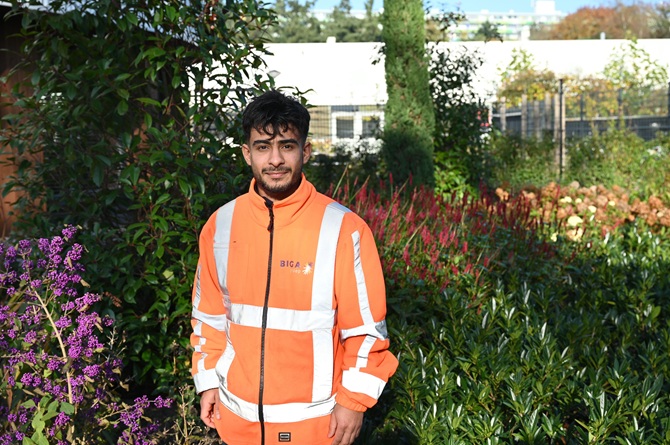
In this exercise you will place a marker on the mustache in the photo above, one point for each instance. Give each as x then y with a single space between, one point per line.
276 170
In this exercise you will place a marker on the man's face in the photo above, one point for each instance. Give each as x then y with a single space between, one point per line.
276 162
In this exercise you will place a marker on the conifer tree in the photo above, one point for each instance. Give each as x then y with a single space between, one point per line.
409 115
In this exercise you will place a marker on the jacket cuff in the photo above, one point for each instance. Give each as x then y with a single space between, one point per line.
343 400
205 380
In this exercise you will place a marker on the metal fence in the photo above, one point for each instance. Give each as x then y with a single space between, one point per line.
335 124
569 114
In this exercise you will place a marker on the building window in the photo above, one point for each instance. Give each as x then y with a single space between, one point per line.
370 126
344 127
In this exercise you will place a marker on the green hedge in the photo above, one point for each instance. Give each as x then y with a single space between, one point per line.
531 341
615 157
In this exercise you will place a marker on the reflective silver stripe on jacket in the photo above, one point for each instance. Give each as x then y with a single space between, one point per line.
283 413
215 321
282 319
323 287
224 224
353 379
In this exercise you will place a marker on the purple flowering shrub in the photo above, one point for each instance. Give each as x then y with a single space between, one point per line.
59 380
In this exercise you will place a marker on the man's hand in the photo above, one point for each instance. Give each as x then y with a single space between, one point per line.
345 425
209 407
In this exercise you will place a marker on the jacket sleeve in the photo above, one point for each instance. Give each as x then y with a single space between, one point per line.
361 317
208 315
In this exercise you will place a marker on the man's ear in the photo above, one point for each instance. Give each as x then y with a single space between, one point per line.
306 152
246 153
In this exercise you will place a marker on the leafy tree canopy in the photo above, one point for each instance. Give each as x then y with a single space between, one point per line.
620 21
661 21
298 24
522 76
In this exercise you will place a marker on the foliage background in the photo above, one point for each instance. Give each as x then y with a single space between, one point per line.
137 148
513 320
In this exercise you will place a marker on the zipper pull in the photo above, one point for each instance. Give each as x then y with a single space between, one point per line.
269 204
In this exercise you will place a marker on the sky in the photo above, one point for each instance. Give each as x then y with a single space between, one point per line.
567 6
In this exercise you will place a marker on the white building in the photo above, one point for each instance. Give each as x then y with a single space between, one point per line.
346 81
512 25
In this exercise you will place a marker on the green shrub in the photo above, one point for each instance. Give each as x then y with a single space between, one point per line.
60 357
516 162
612 158
127 111
461 119
355 162
515 338
618 157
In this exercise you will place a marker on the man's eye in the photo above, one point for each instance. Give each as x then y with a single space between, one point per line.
288 147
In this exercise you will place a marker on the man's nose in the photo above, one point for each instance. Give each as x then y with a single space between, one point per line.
276 156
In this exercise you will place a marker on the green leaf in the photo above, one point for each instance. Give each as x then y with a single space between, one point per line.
161 223
149 101
53 406
122 108
71 91
185 187
158 17
176 81
49 415
154 52
97 174
148 120
132 18
162 198
67 408
171 13
37 423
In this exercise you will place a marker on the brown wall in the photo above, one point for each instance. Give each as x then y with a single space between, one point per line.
9 58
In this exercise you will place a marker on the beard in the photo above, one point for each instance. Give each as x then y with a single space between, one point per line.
278 190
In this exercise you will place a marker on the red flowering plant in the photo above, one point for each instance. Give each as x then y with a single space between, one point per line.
60 379
430 243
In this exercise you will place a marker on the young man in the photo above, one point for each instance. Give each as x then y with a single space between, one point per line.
289 301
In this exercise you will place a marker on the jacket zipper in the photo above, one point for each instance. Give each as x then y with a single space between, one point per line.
271 229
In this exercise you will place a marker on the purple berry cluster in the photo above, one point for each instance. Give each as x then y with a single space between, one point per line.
60 379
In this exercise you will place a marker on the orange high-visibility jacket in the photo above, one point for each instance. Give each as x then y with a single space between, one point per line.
289 311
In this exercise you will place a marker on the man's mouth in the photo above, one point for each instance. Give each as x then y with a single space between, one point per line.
276 173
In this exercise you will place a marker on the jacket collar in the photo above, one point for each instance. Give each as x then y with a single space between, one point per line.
286 210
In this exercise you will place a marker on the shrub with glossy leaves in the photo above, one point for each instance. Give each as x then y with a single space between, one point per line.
134 108
517 338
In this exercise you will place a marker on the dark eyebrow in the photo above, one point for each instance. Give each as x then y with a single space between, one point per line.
281 141
289 141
